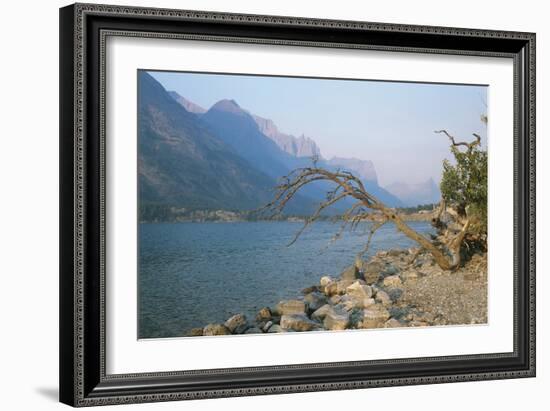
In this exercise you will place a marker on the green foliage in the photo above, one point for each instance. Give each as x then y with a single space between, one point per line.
464 184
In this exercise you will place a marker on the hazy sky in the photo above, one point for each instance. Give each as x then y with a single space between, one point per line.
390 123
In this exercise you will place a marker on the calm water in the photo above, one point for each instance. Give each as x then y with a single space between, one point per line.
192 274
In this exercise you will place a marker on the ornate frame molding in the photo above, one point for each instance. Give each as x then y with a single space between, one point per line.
83 42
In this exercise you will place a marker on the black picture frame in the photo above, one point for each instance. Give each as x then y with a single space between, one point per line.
83 29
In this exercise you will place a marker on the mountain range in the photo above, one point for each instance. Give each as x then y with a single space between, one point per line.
227 158
426 192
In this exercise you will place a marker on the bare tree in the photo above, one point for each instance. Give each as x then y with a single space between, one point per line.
366 207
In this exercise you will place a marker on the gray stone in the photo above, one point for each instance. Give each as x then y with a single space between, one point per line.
253 330
349 302
311 289
321 312
267 325
336 320
395 293
290 307
298 322
215 329
237 324
350 273
389 270
275 328
315 301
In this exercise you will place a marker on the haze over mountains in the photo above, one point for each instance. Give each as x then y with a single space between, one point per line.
226 158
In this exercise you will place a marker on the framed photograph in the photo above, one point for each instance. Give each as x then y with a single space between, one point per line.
262 204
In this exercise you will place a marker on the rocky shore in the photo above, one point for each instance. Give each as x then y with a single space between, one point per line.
389 290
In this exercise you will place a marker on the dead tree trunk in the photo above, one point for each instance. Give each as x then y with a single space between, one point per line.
366 207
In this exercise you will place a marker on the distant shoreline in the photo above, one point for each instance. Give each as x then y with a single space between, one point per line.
224 216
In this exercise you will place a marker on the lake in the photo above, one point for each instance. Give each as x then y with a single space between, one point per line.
193 274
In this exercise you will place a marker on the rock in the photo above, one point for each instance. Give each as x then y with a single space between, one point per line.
290 307
263 315
350 273
311 289
253 330
418 324
372 271
382 297
349 302
266 326
359 290
336 320
315 301
395 293
325 280
389 270
215 329
275 328
331 289
396 253
335 299
237 324
342 285
399 313
409 275
374 316
298 322
321 313
392 323
194 332
392 281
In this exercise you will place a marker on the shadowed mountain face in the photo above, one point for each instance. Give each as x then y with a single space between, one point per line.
220 159
412 195
182 164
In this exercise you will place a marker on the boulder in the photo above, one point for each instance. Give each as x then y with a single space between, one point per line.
350 273
290 307
215 329
359 290
298 322
321 312
389 270
325 280
395 293
392 323
336 319
342 285
315 301
374 316
349 302
237 324
382 297
335 299
267 325
392 281
194 332
263 315
372 271
275 328
311 289
253 330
